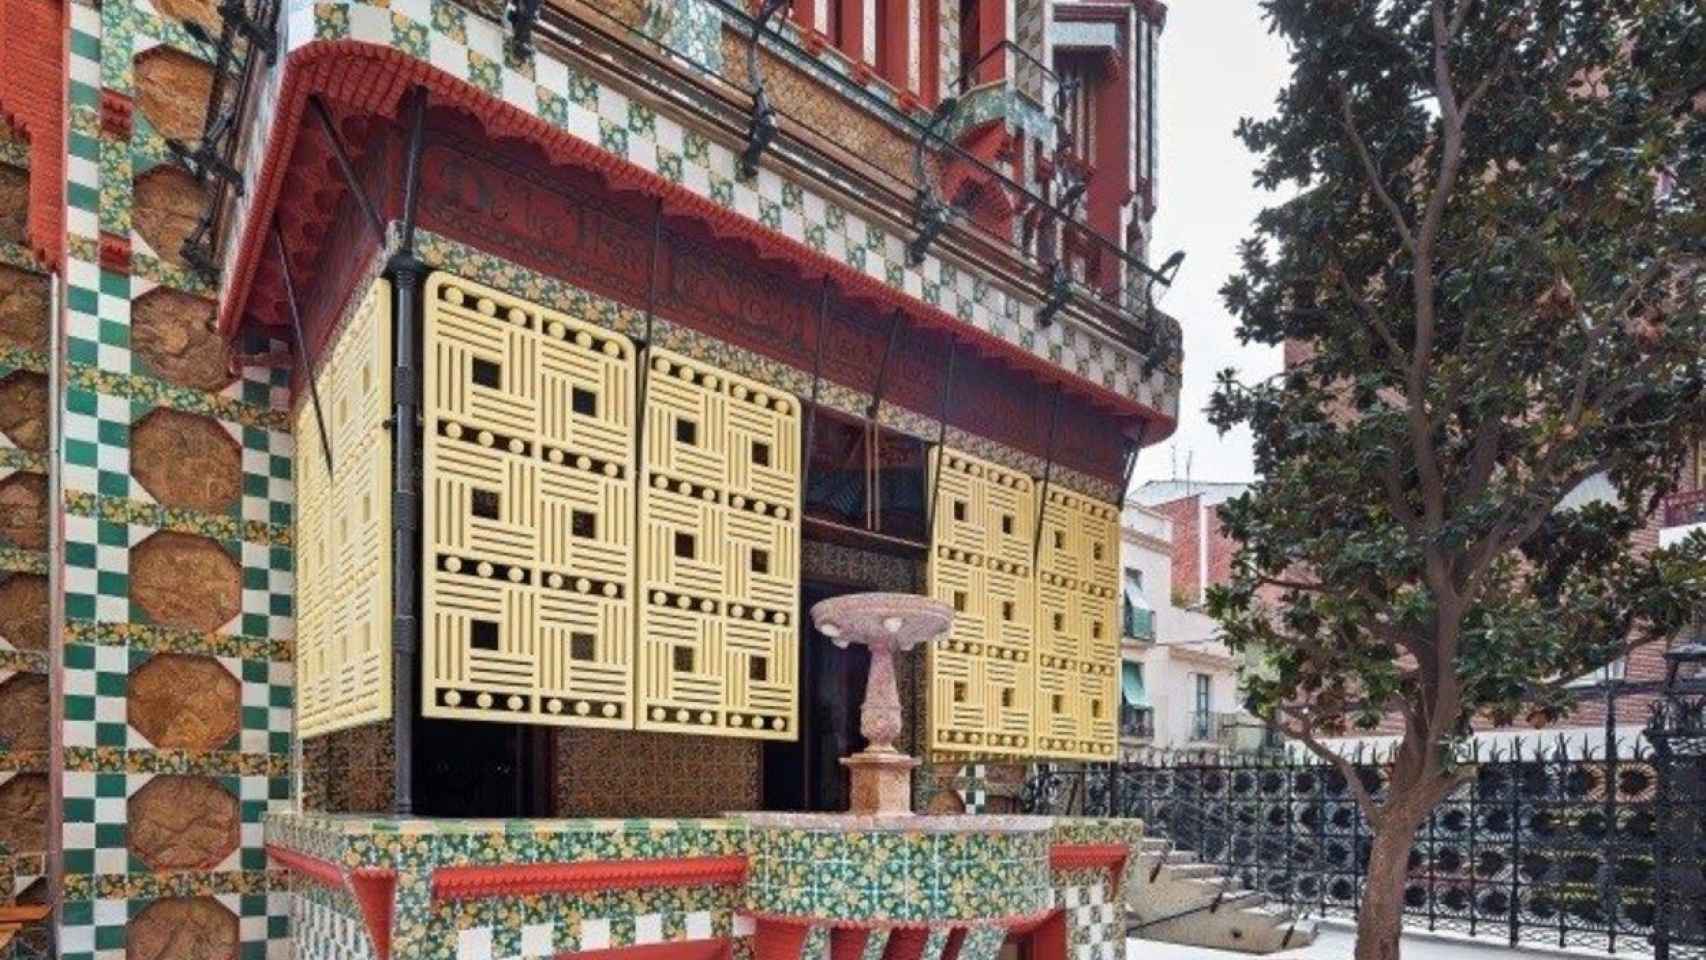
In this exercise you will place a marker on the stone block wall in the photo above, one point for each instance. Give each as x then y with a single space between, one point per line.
176 509
26 326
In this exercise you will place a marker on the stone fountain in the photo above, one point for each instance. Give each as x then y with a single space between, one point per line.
886 624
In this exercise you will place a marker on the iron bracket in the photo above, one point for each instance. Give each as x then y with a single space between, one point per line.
761 129
930 212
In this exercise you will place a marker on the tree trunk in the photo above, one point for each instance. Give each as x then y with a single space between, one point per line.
1380 918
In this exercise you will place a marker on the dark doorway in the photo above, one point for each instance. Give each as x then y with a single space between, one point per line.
807 774
465 768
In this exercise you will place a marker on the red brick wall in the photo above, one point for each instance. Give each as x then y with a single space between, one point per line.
1221 549
1187 584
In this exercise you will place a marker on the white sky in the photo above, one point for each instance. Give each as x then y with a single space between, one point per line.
1218 63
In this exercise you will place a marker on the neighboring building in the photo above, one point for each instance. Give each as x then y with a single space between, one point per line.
1180 683
461 406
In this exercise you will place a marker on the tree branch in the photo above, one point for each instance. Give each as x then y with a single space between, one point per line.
1371 173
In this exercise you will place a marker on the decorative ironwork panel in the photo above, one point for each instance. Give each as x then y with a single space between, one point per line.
1078 649
1572 845
982 687
528 512
343 530
719 554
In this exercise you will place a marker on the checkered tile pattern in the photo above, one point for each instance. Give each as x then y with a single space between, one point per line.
973 793
547 939
108 391
1092 919
320 930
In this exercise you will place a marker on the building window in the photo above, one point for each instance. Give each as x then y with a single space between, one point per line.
1137 619
1200 726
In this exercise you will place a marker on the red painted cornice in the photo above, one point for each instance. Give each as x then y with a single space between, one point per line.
533 879
366 77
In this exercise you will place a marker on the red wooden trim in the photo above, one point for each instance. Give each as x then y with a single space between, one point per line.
323 872
1091 856
376 78
375 890
676 950
774 940
847 943
907 943
1013 922
529 879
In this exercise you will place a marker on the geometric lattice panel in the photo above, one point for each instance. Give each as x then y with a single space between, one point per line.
982 685
1078 650
719 574
528 518
343 529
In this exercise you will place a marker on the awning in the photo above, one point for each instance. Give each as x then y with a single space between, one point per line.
1131 681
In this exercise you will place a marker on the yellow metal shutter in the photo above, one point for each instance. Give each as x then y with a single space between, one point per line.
981 675
343 530
528 514
1078 647
719 553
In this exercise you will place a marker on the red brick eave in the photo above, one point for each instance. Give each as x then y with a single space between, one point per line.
376 78
32 100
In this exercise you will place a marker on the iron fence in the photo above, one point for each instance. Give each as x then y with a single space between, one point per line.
1555 845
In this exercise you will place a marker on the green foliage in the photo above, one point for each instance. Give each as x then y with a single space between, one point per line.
1496 261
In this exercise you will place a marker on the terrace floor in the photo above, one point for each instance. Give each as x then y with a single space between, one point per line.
1336 942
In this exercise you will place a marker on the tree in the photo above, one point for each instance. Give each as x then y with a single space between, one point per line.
1494 264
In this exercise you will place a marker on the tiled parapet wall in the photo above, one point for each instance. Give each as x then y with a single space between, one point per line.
472 50
898 870
445 909
368 887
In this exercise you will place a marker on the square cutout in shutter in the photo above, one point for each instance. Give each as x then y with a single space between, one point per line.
760 561
486 373
583 646
484 504
758 670
761 454
686 545
686 431
960 510
584 402
683 659
584 523
1007 524
483 634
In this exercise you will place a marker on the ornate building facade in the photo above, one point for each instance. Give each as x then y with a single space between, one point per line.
416 413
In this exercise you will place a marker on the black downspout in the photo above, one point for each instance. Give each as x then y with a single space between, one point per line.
406 273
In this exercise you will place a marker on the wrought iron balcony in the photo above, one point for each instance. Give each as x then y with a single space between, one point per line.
1684 513
1683 509
1137 723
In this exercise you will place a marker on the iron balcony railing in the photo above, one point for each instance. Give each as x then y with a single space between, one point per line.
1137 723
1203 725
1140 624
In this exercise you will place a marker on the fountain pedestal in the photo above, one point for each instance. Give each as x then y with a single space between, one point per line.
886 623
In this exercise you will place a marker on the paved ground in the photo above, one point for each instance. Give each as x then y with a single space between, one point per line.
1336 944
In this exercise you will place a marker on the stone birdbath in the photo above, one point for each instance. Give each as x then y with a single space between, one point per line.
887 623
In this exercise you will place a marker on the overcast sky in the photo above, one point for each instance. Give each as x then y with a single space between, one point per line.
1218 63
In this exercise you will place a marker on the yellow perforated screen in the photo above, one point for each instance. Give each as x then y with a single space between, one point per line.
981 675
1078 648
528 515
719 553
343 530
